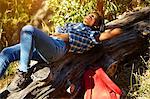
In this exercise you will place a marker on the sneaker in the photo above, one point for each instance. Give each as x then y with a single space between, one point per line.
17 82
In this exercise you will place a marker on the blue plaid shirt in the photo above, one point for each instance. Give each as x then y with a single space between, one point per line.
81 37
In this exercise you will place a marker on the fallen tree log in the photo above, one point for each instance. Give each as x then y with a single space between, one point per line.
50 80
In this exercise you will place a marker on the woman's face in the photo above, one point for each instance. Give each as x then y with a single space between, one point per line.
90 19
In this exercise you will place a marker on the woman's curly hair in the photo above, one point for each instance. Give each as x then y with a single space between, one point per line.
99 23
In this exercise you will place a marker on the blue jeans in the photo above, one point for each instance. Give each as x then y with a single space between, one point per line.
34 45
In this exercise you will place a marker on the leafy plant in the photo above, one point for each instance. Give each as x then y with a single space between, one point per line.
70 10
13 15
141 88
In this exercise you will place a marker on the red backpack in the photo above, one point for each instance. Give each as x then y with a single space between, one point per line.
99 86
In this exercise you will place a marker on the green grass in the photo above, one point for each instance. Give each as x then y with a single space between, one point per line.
6 79
141 89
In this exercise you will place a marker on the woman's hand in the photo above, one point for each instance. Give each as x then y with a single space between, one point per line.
63 36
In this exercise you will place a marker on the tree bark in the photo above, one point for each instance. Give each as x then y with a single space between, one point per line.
50 80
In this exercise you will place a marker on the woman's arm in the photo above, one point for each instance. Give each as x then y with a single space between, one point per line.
110 33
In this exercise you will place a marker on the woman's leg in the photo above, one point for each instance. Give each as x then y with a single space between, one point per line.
7 56
50 49
11 54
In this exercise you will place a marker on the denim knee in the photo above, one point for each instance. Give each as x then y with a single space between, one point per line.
6 50
12 52
28 29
